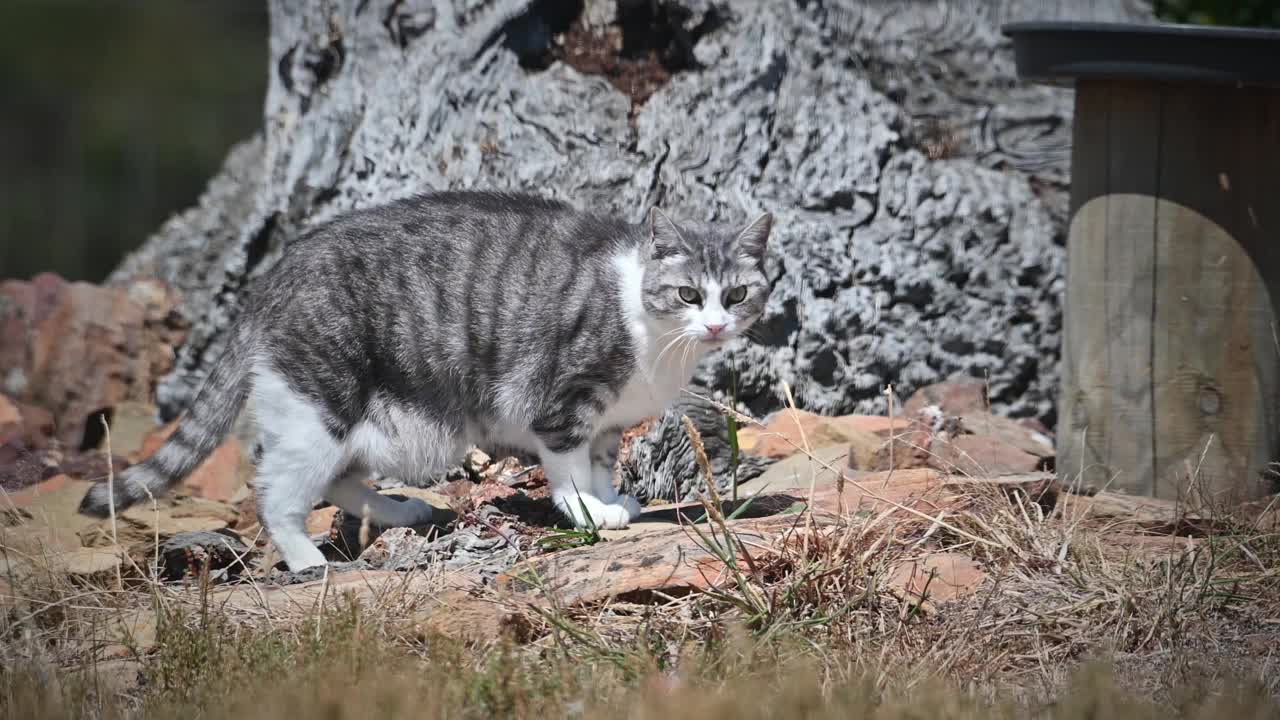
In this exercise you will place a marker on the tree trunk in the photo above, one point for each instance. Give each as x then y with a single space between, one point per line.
919 189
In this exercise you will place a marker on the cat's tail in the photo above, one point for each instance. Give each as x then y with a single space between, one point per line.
207 421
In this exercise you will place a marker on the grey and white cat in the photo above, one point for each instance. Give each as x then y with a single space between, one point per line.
393 338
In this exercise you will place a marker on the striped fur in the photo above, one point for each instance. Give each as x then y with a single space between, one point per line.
392 338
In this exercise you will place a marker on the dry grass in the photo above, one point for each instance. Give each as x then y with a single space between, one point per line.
802 624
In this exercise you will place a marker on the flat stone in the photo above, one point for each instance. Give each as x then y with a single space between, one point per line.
10 417
981 456
408 591
131 422
669 560
786 432
1008 431
88 563
936 578
799 471
954 396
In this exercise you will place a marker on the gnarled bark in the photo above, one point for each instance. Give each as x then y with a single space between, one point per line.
919 188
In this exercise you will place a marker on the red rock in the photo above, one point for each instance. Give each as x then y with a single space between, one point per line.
82 348
878 424
787 431
10 418
981 456
1009 431
39 426
489 491
23 498
320 522
955 396
937 578
900 451
221 475
670 559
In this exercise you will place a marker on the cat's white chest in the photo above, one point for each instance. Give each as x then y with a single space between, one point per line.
648 393
664 363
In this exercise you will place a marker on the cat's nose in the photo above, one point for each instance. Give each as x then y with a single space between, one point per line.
714 330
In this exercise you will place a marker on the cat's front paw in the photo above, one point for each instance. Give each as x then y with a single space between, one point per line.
602 516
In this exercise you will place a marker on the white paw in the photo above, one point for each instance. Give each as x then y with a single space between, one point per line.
614 517
603 516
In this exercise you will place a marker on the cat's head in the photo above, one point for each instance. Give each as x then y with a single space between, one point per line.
705 283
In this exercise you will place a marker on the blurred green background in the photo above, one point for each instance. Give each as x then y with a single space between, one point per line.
116 112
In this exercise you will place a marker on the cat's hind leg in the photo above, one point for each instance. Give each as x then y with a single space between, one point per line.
299 460
351 494
287 489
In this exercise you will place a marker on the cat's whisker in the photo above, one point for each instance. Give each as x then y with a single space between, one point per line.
689 347
683 332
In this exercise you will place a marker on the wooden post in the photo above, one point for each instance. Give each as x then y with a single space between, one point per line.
1171 356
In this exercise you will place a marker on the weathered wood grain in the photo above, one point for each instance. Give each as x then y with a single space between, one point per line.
1171 360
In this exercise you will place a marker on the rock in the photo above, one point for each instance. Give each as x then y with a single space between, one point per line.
936 578
10 418
658 464
475 548
403 592
955 396
981 456
47 515
786 431
798 471
1137 513
901 255
320 522
668 560
902 450
186 554
83 349
345 534
89 564
475 463
131 424
1010 432
133 632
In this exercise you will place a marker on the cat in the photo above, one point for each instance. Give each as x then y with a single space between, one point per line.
391 339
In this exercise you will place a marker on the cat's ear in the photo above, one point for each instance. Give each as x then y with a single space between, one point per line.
754 240
664 236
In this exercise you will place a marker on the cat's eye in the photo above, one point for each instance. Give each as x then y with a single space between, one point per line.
736 295
690 295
